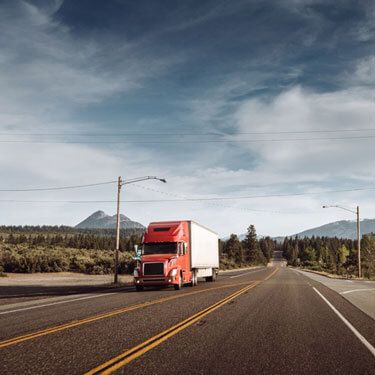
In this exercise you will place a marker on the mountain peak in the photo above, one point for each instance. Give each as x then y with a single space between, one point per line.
100 220
98 215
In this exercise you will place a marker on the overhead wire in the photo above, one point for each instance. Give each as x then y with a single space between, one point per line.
212 133
200 199
59 187
199 141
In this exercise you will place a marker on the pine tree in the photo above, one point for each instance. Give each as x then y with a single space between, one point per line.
234 250
252 249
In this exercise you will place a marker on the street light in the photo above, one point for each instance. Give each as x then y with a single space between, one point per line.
119 185
356 212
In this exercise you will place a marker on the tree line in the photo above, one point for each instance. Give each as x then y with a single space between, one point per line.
63 229
75 241
249 251
30 249
333 255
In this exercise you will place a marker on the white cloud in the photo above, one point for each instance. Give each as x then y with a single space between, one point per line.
365 72
48 74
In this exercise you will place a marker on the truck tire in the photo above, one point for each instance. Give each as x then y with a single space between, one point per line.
179 285
139 288
213 277
194 279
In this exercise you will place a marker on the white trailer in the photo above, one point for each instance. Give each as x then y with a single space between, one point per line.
204 245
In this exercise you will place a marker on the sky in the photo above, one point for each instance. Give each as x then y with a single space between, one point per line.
250 101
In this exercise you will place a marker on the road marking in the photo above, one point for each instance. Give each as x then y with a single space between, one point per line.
347 323
246 273
75 323
358 290
126 357
57 303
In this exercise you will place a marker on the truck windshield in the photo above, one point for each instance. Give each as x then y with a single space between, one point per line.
160 248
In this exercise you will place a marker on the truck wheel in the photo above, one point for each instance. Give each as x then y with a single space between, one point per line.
194 279
213 277
139 288
179 285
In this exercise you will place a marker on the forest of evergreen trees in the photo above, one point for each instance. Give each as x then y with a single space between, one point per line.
333 255
250 251
54 249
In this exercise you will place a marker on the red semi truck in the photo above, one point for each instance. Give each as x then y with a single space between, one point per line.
177 253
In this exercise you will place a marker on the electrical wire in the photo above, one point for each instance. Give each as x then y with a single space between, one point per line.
213 133
195 199
368 137
60 187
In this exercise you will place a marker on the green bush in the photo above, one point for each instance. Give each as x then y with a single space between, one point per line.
21 259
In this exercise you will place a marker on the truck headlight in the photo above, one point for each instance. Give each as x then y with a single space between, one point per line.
174 272
136 273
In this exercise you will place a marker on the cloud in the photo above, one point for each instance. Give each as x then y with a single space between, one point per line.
298 109
365 72
234 75
50 73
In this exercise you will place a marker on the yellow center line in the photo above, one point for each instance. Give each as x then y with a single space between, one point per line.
126 357
75 323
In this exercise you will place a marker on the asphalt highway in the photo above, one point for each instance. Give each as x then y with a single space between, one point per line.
271 320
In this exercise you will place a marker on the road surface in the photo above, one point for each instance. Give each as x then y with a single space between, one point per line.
270 320
360 293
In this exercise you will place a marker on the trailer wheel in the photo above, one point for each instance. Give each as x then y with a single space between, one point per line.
139 288
179 285
213 277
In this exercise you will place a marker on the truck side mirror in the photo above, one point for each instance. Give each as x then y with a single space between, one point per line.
185 248
138 250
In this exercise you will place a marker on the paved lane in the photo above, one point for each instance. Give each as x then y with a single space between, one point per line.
249 324
361 293
280 327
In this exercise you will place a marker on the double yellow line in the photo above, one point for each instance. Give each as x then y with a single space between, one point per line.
123 359
128 356
75 323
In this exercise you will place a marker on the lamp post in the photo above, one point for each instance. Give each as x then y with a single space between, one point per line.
120 183
356 212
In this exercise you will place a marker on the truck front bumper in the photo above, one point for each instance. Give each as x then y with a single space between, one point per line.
155 281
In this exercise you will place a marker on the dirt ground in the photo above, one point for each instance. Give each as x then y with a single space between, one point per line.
60 279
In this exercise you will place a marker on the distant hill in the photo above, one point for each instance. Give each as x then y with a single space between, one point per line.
341 229
100 220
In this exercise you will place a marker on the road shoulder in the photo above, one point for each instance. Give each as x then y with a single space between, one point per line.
360 293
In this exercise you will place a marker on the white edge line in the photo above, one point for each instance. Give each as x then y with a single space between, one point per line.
358 290
57 303
347 323
242 274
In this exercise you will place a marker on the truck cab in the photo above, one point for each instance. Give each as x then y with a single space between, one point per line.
165 256
177 253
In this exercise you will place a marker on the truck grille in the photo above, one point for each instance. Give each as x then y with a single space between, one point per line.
153 269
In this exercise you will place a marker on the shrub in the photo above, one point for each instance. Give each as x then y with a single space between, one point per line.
20 258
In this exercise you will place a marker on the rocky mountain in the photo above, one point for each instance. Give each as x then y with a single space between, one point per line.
100 220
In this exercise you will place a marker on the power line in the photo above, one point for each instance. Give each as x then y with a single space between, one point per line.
193 141
194 199
60 187
211 203
213 133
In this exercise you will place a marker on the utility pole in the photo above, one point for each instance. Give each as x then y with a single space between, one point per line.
358 234
359 243
117 229
118 222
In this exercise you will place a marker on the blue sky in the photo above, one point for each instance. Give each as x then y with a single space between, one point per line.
178 75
